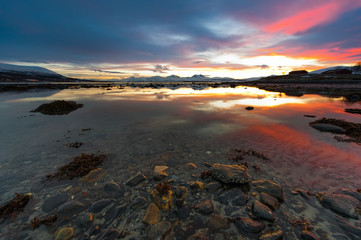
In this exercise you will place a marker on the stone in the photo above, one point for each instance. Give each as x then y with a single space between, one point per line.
162 199
160 230
198 236
248 225
152 214
230 173
64 233
270 201
54 201
159 172
272 235
183 212
204 207
249 108
197 185
304 194
217 222
348 227
263 212
180 193
324 127
342 204
354 194
100 205
191 166
71 208
84 220
212 187
237 197
307 235
139 202
114 212
94 175
113 189
268 187
135 179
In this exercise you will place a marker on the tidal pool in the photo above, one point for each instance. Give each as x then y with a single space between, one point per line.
140 128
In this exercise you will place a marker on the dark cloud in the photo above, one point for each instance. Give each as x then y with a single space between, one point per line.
160 68
105 71
264 66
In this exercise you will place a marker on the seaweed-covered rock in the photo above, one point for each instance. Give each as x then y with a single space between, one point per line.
263 212
163 195
15 206
342 204
59 107
268 187
230 173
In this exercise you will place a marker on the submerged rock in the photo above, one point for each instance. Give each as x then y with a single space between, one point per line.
230 173
180 193
159 172
64 233
237 197
204 207
160 230
113 189
197 185
342 204
216 222
248 225
59 107
349 228
54 201
270 201
94 175
135 179
71 208
152 215
198 236
268 187
307 235
263 212
100 205
354 194
324 127
114 212
272 235
213 187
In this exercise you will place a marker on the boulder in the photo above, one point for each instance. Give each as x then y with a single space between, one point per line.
230 173
263 212
342 204
268 187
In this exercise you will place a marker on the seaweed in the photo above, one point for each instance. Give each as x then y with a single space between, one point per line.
36 222
79 167
302 223
353 130
241 153
74 145
163 188
59 107
15 206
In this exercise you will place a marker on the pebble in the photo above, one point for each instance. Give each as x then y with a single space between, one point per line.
160 230
152 214
113 189
270 201
100 205
272 235
216 222
64 233
307 235
135 179
71 208
263 212
342 204
159 172
230 173
248 225
54 201
204 207
94 175
268 187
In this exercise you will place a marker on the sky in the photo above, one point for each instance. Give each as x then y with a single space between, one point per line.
112 39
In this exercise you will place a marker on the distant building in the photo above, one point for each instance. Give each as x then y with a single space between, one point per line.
298 72
338 71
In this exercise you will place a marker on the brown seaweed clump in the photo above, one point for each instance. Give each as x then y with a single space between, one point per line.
352 130
15 206
241 153
59 107
36 222
163 188
79 167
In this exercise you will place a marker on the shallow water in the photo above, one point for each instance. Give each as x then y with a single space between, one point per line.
143 127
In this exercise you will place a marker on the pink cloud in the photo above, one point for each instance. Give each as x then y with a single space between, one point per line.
304 19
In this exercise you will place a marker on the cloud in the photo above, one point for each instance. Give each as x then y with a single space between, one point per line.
160 68
264 66
106 71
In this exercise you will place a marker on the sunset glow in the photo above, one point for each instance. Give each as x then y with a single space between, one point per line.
238 39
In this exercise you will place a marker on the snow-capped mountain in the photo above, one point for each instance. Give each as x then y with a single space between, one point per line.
25 69
320 71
